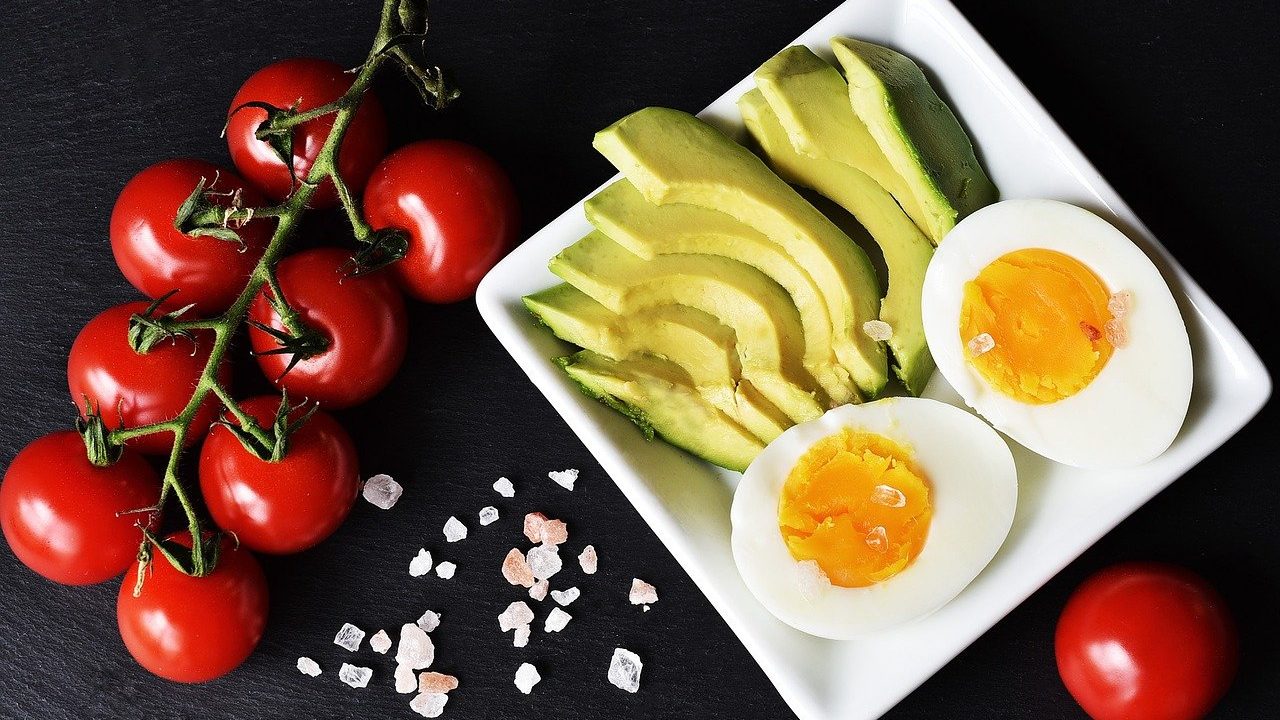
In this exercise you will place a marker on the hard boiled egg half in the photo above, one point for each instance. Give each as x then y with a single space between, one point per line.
872 515
1060 332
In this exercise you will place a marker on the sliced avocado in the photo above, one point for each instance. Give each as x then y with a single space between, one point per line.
917 132
646 229
690 338
906 250
673 157
658 396
770 341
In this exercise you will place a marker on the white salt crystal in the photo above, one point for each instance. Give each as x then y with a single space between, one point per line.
349 636
642 593
488 515
539 590
521 636
566 596
624 670
564 478
429 704
420 564
307 666
877 330
878 539
556 620
516 614
526 677
380 642
588 560
811 580
504 487
415 649
429 621
454 530
1119 304
981 344
644 608
445 570
381 491
356 677
888 496
544 561
406 680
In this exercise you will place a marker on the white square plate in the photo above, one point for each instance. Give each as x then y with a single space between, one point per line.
1061 510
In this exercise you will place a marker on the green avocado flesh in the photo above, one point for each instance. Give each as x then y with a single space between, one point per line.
769 338
649 230
688 337
659 397
673 157
917 132
906 250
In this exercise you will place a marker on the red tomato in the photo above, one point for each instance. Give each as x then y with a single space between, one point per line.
313 83
157 258
458 207
1146 641
131 389
363 319
193 629
62 514
284 506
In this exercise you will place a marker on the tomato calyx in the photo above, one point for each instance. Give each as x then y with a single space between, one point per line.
297 340
379 249
200 216
98 446
270 444
146 329
194 561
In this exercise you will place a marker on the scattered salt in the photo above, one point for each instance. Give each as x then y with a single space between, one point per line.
533 526
522 636
356 677
877 330
888 496
420 564
556 620
415 649
1119 304
877 539
811 580
380 642
307 666
516 614
504 488
981 344
1117 333
539 590
566 596
434 682
588 560
349 636
488 515
445 570
429 704
624 670
554 532
564 478
526 677
429 621
454 530
406 679
381 491
642 593
544 561
645 608
516 569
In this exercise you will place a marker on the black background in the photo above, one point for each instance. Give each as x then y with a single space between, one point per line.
1174 101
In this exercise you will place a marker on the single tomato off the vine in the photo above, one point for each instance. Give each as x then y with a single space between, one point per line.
70 520
1141 641
307 83
458 207
361 318
157 258
286 505
130 389
194 629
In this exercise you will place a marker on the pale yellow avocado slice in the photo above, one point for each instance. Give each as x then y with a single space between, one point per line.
673 157
917 132
657 396
906 250
646 229
766 324
688 337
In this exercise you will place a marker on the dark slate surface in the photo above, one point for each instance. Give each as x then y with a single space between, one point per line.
1175 102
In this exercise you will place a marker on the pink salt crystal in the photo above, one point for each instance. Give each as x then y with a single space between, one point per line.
533 523
642 593
539 590
554 532
435 682
981 344
1117 333
588 560
1119 304
516 570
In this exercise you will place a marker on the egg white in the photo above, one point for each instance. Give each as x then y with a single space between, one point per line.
1132 411
973 489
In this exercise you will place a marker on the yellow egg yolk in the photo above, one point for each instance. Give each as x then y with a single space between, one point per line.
857 504
1032 322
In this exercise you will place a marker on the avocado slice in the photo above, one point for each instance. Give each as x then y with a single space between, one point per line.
770 341
688 337
673 157
906 250
917 132
648 230
657 396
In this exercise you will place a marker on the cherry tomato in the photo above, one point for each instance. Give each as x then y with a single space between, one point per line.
1146 641
131 389
157 258
66 518
288 505
458 207
309 83
363 319
194 629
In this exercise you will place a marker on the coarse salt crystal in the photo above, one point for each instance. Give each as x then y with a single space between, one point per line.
307 666
406 679
554 532
565 597
380 642
516 569
556 620
420 564
434 682
981 344
381 491
415 649
1119 304
888 496
526 677
544 561
429 621
504 488
624 670
429 704
516 614
878 539
539 590
533 526
642 593
811 580
454 530
445 570
488 515
564 478
644 608
521 636
588 560
349 636
356 677
1117 333
877 330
